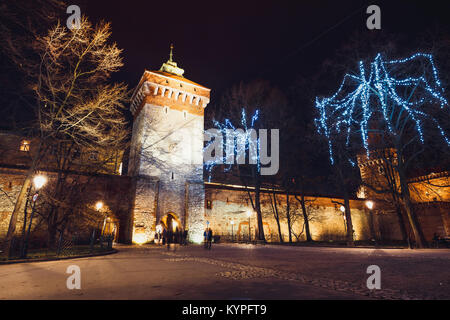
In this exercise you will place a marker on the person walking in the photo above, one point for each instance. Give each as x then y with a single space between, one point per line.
176 240
185 235
169 239
205 238
210 236
164 235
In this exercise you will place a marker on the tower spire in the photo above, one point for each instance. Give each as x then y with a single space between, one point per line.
171 66
171 52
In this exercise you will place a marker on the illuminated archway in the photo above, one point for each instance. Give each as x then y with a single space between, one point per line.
171 222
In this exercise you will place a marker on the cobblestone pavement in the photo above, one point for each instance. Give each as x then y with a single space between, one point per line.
406 274
231 272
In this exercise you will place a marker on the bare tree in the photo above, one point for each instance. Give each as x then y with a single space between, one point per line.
275 211
270 101
75 106
393 110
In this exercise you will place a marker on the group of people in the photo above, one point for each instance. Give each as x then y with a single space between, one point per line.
178 237
169 237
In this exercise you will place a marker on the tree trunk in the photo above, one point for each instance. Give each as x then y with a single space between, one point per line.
305 218
348 219
288 216
348 214
13 220
276 215
258 211
19 201
401 222
258 205
51 237
415 227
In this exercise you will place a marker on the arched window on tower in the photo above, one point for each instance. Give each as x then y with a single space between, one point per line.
24 146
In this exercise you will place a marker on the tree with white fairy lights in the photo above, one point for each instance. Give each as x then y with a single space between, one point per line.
397 105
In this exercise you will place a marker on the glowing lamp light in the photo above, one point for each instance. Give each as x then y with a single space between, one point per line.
39 181
249 213
369 204
139 238
342 208
175 225
99 205
232 222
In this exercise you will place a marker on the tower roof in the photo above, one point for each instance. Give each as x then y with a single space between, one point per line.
171 66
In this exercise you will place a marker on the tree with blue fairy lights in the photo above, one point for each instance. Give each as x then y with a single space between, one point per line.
397 105
237 143
263 104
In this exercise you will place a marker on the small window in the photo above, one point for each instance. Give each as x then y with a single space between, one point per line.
76 154
172 176
380 170
166 110
208 204
195 89
181 86
25 146
185 114
93 155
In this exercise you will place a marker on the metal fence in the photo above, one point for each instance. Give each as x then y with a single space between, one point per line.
73 244
243 237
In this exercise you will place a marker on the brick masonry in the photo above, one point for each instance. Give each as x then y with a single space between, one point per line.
326 220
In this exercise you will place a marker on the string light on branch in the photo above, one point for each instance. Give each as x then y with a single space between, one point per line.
382 91
237 143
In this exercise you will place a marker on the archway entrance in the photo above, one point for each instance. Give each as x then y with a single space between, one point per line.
171 222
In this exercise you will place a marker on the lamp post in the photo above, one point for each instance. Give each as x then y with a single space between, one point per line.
249 228
38 182
232 224
98 207
342 208
370 205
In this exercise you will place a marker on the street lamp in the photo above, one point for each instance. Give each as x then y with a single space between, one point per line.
370 205
342 208
38 182
99 205
232 224
249 214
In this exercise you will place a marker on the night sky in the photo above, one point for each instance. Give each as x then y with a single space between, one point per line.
220 43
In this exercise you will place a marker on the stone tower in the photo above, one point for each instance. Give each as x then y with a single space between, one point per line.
166 153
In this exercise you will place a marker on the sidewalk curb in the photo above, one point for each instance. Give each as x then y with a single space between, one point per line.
314 246
56 258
